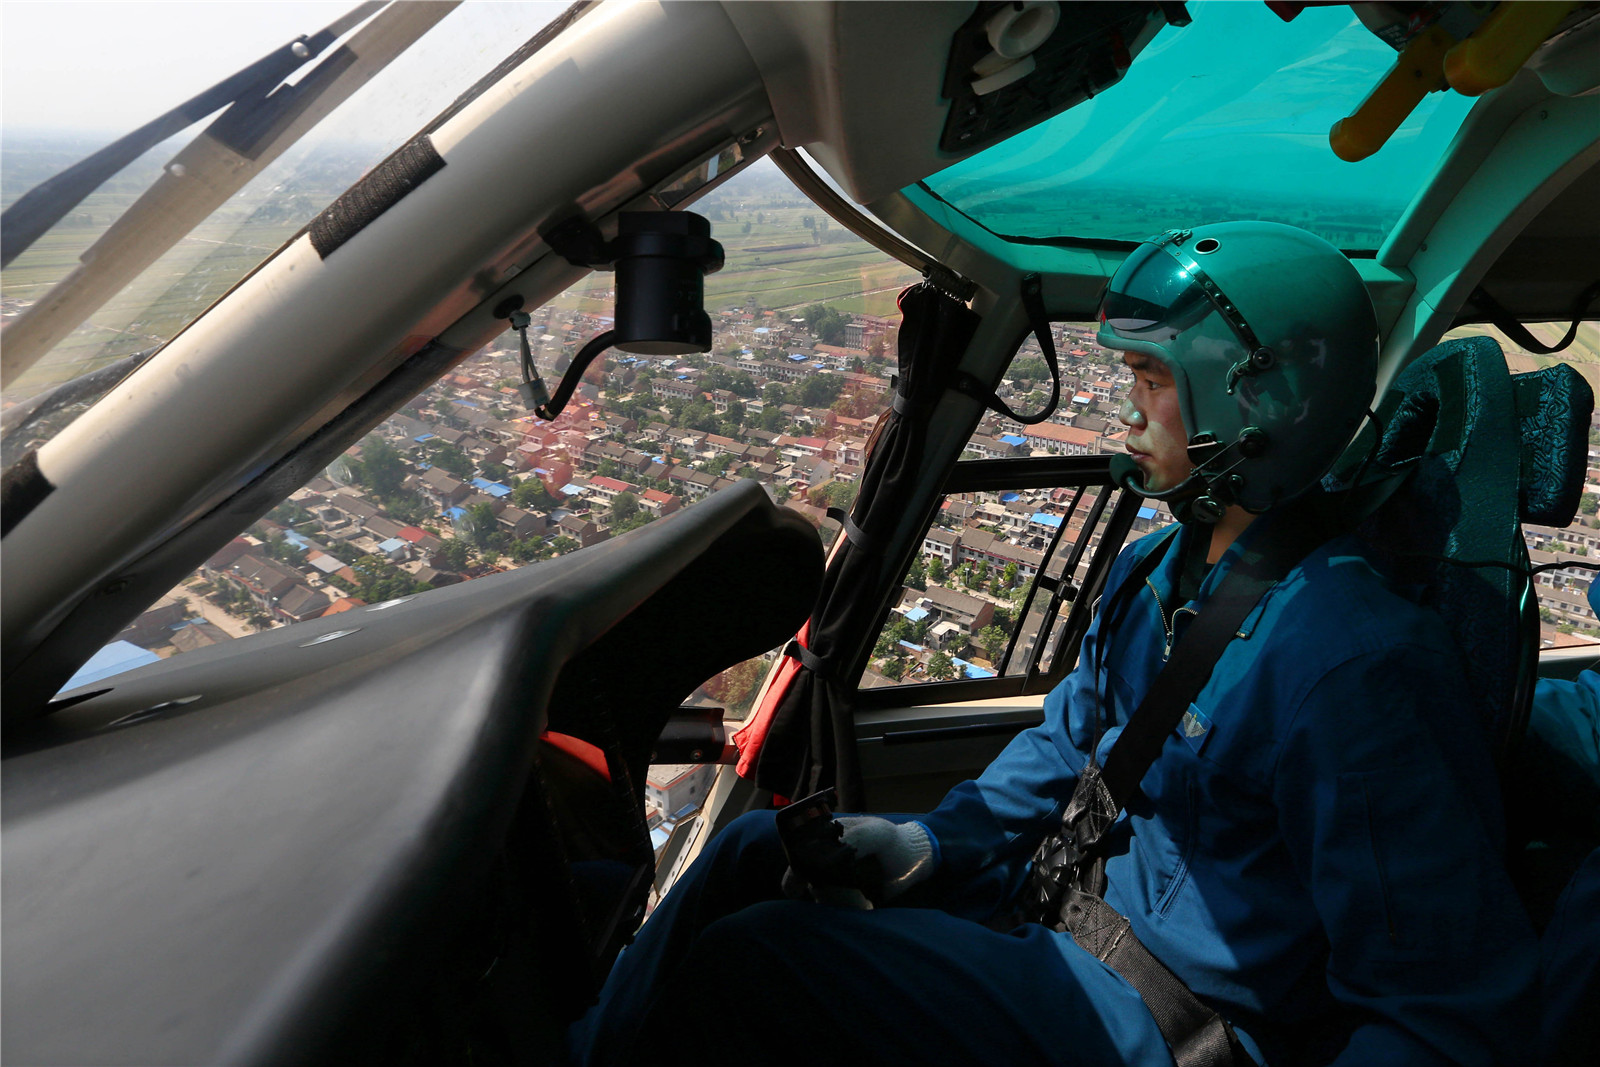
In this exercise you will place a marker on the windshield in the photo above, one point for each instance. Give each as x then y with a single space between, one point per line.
1243 136
68 94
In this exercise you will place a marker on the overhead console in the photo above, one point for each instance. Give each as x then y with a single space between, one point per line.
883 95
1015 64
352 839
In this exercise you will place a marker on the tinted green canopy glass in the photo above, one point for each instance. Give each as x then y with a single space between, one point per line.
1224 119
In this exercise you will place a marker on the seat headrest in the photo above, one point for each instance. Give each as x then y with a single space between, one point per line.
1553 409
1451 429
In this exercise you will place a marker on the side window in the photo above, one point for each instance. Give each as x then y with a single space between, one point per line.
1017 537
462 483
997 576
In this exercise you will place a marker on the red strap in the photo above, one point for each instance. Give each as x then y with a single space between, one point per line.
753 734
589 755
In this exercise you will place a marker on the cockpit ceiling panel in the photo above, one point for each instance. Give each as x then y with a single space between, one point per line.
1226 118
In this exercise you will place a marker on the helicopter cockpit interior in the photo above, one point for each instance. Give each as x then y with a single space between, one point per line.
415 830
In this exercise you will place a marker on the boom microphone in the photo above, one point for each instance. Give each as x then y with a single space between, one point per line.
1125 472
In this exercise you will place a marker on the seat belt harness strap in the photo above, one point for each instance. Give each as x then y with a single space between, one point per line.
1067 884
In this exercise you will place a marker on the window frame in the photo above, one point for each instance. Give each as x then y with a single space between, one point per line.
1120 509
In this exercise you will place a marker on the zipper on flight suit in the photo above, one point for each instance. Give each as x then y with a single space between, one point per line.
1169 624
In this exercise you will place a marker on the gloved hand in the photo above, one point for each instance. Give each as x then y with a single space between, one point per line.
870 861
907 853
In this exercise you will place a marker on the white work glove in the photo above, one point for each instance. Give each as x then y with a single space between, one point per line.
907 852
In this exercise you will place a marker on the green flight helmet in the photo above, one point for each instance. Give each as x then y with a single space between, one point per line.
1273 346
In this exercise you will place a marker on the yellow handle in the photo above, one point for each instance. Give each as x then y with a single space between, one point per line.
1418 72
1500 46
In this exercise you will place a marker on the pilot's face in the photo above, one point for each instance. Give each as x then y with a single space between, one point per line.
1157 440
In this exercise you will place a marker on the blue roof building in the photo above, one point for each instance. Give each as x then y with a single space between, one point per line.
113 659
494 489
970 670
1045 520
1013 439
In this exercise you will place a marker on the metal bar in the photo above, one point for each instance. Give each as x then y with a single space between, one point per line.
217 163
1033 591
41 207
1116 532
1047 472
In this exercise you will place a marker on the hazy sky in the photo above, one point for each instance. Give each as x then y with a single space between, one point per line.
111 67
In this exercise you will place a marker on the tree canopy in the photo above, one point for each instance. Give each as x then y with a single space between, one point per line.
377 579
380 468
993 639
827 323
623 506
447 457
531 495
455 554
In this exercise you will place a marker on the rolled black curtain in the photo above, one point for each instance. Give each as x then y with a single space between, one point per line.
811 743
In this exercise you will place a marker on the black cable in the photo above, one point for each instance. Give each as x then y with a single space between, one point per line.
1513 329
569 381
534 394
1039 322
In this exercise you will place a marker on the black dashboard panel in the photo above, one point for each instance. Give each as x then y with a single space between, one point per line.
222 856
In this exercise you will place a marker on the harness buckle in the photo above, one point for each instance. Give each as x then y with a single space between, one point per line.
1067 860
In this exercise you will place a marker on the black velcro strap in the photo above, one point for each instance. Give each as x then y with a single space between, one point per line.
1260 567
900 405
808 659
852 532
22 488
385 186
1197 1035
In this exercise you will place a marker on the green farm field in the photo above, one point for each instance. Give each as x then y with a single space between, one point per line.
200 268
782 253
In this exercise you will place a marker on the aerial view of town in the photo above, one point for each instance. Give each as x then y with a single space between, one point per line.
463 482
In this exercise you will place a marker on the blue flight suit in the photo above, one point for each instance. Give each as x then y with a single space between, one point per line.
1562 749
1323 831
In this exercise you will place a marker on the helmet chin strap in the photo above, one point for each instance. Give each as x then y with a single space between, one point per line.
1184 496
1203 495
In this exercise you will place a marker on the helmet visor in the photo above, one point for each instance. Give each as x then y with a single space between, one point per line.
1152 298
